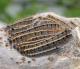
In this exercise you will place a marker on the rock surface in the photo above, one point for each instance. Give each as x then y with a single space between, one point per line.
67 58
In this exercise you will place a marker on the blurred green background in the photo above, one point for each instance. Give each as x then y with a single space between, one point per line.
12 10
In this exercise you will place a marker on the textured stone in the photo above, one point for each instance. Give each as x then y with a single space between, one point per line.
68 56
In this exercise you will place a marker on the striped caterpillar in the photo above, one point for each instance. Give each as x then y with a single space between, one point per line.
40 34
